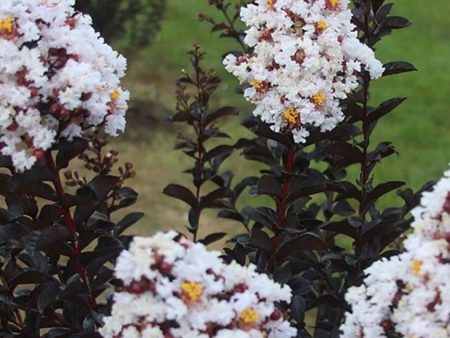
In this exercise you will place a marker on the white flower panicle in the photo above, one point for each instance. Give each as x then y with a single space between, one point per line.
306 59
176 288
409 294
57 78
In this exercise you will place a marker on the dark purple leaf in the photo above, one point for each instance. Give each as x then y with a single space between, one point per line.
92 196
182 193
222 112
396 22
398 67
128 221
68 150
385 108
259 239
213 238
383 189
302 243
268 185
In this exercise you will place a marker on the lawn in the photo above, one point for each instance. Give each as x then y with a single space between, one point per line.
419 129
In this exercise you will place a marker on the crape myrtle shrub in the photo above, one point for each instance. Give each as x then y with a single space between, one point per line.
57 242
323 229
60 97
134 23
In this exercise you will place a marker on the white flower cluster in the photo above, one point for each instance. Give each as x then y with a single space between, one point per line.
409 294
306 59
176 288
57 78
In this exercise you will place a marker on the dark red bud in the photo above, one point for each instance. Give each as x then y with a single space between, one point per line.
276 315
64 114
34 91
240 288
135 287
55 108
39 154
13 126
86 96
386 325
165 268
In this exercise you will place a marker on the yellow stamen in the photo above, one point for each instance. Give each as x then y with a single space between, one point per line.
291 116
191 290
249 316
319 99
416 266
321 25
7 25
115 94
333 3
258 85
271 3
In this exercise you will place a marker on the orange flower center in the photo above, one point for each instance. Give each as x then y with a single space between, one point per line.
191 290
249 316
115 94
319 99
291 116
321 25
333 4
258 85
271 3
416 266
7 25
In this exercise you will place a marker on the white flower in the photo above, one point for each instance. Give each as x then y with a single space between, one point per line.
58 78
176 288
409 294
305 61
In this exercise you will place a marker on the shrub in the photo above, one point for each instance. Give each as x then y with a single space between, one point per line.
323 229
407 295
307 67
133 23
176 288
60 94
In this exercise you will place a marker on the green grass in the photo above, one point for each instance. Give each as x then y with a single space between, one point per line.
419 128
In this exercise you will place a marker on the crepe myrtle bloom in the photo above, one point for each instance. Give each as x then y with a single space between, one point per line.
177 288
58 78
306 59
409 294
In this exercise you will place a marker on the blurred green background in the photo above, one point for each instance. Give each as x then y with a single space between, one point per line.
419 129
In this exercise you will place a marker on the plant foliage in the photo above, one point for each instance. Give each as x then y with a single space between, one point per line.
193 96
57 244
323 226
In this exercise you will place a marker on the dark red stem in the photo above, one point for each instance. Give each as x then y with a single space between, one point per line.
71 226
282 205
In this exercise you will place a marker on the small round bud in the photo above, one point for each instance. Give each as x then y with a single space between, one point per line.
276 315
39 154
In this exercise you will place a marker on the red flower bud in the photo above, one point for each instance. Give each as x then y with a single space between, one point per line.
276 315
34 91
55 108
64 114
165 268
39 154
86 96
135 287
386 325
13 126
